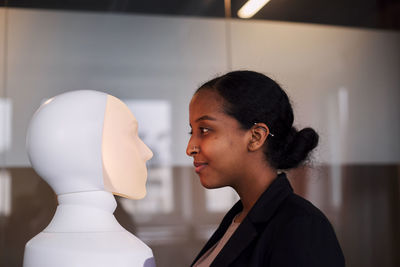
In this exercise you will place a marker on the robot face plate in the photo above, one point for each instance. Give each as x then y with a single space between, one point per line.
124 154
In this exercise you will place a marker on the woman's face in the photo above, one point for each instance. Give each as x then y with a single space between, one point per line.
218 145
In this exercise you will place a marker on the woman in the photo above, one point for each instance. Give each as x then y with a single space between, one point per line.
242 134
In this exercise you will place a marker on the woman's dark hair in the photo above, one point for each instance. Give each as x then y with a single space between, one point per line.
251 97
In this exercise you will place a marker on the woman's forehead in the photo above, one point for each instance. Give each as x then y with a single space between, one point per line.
210 109
206 101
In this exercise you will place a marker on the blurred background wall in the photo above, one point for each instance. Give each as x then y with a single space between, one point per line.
343 81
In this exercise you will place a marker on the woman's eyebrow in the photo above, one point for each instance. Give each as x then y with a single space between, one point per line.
206 117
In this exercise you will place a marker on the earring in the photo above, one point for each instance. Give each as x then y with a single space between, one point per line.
265 130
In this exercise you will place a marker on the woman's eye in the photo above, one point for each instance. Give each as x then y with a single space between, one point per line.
204 130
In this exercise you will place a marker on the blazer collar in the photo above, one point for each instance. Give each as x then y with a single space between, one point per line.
262 211
270 200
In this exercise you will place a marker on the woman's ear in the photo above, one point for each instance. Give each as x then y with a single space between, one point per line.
259 133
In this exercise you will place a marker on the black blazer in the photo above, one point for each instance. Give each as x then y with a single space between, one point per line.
282 229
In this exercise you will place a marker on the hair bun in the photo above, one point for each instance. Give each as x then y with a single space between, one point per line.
298 146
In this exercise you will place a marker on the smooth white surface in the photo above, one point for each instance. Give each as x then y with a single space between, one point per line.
101 249
64 143
84 232
85 212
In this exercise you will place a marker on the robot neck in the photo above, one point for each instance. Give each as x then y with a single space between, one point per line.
90 211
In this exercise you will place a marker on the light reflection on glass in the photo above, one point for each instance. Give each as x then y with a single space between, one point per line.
338 112
5 124
5 193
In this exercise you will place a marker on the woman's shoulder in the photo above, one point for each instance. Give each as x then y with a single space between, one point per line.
301 235
298 209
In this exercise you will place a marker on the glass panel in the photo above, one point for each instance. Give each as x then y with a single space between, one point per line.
344 82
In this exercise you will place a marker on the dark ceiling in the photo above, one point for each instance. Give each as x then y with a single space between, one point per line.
380 14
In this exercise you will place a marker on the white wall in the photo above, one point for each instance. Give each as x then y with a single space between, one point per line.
314 62
2 42
157 57
131 57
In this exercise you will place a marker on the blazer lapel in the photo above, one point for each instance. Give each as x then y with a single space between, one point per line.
261 213
270 200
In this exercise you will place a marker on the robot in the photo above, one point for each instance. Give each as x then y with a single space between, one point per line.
85 145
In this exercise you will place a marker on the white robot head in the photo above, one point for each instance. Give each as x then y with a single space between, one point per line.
85 141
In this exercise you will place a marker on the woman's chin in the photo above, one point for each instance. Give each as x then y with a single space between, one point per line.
209 184
206 183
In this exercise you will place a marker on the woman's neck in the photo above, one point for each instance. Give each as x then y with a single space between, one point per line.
254 185
90 211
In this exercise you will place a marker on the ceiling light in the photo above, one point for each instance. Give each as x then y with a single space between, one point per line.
250 8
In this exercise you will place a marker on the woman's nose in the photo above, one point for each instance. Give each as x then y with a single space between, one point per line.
192 149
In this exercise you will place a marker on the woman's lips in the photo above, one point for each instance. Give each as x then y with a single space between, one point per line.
199 166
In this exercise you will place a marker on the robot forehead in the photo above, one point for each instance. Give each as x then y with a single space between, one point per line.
118 111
